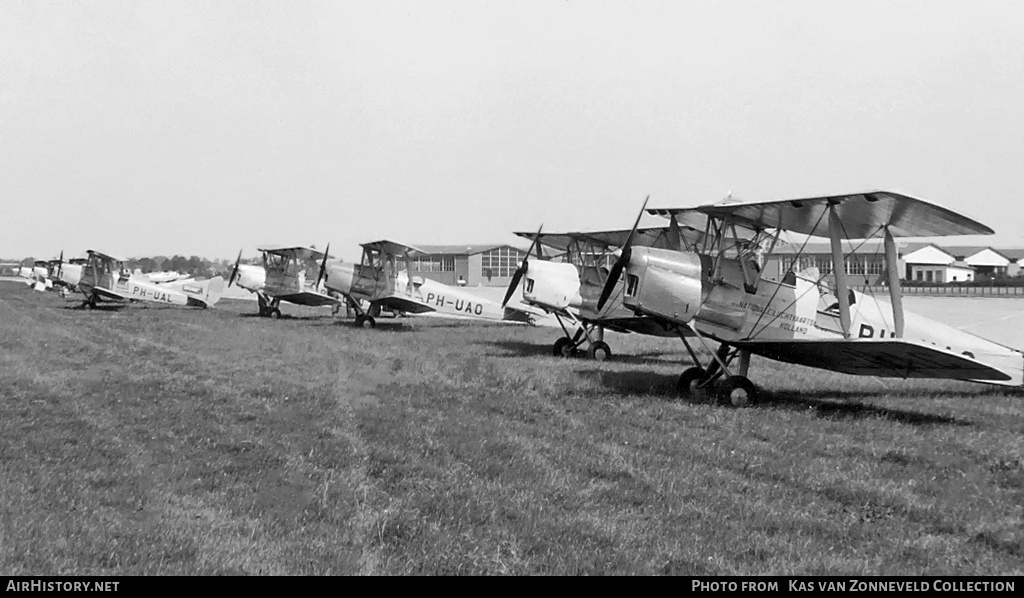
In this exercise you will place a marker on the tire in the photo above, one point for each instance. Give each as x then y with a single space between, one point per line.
737 391
599 351
274 313
563 348
366 322
688 380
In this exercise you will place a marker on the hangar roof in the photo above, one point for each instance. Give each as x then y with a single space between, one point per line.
464 249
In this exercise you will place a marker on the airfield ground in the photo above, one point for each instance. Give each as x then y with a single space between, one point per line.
177 441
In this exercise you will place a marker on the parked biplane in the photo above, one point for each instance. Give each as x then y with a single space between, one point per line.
716 291
37 275
282 277
104 278
380 282
569 289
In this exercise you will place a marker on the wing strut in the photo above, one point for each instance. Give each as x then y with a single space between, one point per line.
839 269
895 291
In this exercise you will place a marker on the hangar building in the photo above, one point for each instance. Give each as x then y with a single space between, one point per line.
469 265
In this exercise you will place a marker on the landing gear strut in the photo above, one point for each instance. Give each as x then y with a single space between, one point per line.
590 334
734 389
364 318
269 308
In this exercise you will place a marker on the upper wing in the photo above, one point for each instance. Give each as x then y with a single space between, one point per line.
645 237
890 358
107 256
391 247
290 250
862 215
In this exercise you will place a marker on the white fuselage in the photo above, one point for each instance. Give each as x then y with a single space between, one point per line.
370 285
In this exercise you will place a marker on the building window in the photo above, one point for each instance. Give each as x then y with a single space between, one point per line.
500 262
876 266
433 263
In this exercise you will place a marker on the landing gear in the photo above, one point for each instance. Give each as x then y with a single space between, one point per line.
564 347
268 307
593 335
690 380
364 318
599 351
734 389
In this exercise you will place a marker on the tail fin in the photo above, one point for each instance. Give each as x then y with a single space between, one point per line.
214 290
204 293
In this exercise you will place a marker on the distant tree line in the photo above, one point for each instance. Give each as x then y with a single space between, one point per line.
194 266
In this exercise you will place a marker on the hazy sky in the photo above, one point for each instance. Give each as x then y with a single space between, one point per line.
200 128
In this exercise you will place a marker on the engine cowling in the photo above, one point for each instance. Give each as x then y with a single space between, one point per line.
666 284
552 284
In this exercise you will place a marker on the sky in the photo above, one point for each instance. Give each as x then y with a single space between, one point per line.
209 127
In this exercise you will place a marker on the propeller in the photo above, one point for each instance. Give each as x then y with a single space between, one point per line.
60 265
234 271
675 236
323 267
523 267
620 264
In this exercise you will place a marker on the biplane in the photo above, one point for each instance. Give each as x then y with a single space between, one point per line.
716 291
104 278
55 274
569 289
382 280
282 277
37 275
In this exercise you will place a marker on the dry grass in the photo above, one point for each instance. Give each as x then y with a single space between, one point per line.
168 441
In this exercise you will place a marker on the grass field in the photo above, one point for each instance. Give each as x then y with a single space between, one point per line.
157 440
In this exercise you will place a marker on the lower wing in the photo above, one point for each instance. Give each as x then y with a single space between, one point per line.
884 358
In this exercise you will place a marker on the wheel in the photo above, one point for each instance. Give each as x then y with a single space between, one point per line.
563 348
273 313
363 321
688 381
599 351
737 391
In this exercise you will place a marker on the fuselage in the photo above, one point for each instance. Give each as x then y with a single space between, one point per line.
124 285
370 284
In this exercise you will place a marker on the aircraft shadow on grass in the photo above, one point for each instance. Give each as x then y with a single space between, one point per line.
288 317
527 349
101 307
826 402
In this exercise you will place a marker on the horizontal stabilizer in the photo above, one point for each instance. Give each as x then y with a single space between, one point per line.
516 314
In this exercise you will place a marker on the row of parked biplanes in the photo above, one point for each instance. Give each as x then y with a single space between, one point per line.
699 278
